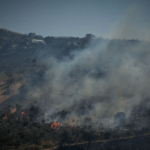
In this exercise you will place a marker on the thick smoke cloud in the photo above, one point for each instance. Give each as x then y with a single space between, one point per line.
100 81
97 83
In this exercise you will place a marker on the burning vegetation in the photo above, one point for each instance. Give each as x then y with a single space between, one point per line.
27 130
5 117
14 110
22 112
96 93
54 125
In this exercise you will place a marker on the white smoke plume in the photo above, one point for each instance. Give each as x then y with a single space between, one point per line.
133 24
101 80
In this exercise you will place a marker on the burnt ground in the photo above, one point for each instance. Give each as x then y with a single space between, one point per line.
140 143
133 143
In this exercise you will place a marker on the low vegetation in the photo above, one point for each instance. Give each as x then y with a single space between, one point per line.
22 131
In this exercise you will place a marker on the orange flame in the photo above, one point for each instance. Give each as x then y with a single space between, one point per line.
54 125
14 110
22 112
5 117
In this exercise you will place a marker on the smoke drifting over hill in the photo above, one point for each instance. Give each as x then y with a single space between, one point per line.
92 85
96 83
133 24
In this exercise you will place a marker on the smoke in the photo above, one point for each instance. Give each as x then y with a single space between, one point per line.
134 24
99 81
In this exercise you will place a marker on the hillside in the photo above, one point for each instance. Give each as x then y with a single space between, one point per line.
4 33
69 90
20 57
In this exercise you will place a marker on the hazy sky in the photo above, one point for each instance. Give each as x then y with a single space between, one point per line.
65 17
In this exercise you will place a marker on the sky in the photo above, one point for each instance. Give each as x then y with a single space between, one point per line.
65 17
